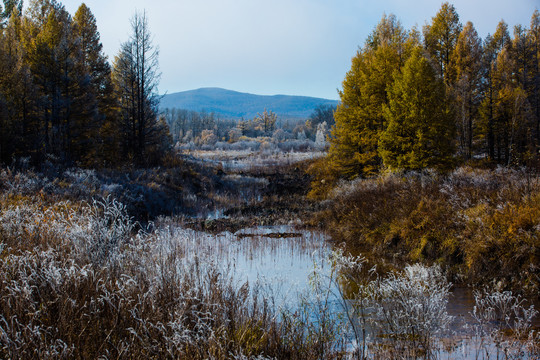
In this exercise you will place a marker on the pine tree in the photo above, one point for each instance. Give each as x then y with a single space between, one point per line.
420 128
494 45
10 7
100 124
511 111
534 39
466 65
440 39
359 118
66 103
18 93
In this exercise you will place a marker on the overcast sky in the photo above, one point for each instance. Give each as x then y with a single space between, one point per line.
294 47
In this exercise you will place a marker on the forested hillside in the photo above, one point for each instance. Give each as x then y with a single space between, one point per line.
60 98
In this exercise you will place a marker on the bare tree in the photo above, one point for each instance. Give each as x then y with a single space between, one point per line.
136 76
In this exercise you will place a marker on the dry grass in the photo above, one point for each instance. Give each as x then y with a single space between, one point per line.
83 280
483 225
78 281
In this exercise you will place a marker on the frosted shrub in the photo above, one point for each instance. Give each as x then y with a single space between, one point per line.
27 225
267 147
401 314
410 308
31 283
504 325
301 145
351 276
82 181
19 182
102 230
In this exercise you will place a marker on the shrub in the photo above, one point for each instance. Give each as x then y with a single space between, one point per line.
480 224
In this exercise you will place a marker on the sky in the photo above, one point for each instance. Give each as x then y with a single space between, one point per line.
268 47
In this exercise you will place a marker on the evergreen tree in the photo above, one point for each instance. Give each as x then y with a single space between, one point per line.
511 111
534 39
94 63
18 93
494 45
466 65
359 118
10 7
63 85
420 128
322 113
440 39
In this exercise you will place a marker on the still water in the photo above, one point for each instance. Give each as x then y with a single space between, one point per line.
280 261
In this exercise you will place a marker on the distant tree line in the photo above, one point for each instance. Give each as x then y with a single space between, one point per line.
186 125
435 98
191 126
61 99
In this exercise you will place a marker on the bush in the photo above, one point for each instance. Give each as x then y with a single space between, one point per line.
480 224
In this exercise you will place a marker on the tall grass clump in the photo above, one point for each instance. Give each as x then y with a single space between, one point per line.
397 315
482 225
410 312
404 315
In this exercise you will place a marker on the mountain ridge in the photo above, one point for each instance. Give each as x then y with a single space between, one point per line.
235 105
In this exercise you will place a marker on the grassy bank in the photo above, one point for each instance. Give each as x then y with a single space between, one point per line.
79 281
481 225
178 187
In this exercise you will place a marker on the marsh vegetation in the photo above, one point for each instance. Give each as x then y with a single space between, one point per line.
82 278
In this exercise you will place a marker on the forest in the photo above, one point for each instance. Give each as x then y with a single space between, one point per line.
437 98
60 98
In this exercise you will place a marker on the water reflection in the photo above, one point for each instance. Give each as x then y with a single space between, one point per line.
279 261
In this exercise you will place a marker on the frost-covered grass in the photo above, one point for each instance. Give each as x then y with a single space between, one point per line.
483 225
262 144
80 281
259 161
80 278
404 315
90 286
181 187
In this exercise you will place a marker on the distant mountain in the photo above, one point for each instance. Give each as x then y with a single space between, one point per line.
232 104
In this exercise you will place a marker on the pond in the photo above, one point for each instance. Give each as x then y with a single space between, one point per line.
279 261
